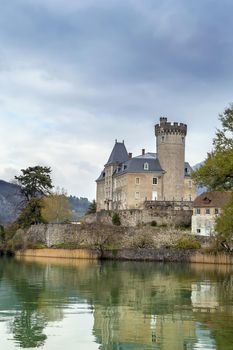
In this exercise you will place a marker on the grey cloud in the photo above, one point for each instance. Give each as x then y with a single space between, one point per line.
75 75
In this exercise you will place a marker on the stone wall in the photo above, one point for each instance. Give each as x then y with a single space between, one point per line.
96 241
55 234
163 213
99 236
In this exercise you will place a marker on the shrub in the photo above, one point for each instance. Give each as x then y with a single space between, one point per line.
116 219
183 227
39 245
153 223
144 241
187 243
2 233
11 230
10 246
163 225
214 247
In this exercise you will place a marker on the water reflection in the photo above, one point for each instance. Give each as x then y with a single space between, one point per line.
129 305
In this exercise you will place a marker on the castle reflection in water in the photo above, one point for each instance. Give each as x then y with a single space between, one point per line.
134 305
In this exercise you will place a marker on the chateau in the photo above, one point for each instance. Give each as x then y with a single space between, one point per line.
128 182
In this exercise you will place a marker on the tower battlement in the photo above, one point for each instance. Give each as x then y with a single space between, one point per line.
165 127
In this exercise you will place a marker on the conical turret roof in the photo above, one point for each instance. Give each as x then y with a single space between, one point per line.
119 154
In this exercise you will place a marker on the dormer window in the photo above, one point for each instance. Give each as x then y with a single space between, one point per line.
146 166
206 200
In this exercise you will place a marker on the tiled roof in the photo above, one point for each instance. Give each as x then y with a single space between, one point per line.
215 199
119 154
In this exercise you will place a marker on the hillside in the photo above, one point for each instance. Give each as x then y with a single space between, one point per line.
10 200
79 206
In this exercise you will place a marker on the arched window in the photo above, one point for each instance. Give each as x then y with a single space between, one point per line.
146 166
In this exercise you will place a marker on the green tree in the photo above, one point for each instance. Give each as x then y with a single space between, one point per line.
56 208
224 225
92 207
31 214
35 182
217 171
116 220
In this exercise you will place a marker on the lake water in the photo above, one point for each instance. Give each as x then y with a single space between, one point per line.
66 304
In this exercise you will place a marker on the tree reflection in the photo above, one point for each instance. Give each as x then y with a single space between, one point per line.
28 325
135 305
28 329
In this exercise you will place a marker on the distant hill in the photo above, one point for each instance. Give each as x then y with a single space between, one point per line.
196 166
79 206
10 200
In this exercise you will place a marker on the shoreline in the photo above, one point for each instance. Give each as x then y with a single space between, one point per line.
137 254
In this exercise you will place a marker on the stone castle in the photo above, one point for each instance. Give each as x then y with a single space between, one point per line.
128 182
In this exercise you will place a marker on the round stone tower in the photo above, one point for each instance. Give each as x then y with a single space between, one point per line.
170 144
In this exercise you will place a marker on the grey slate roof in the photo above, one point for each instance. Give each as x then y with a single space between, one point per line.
187 169
101 177
136 165
147 155
119 154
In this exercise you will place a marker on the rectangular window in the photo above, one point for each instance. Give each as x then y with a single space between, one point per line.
190 184
137 180
155 180
198 230
154 195
207 211
137 195
216 210
198 211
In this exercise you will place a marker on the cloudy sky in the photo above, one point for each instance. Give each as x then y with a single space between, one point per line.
77 74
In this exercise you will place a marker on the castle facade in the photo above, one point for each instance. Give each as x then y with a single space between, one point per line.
127 182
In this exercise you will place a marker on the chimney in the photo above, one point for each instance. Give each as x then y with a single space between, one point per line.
143 151
130 155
